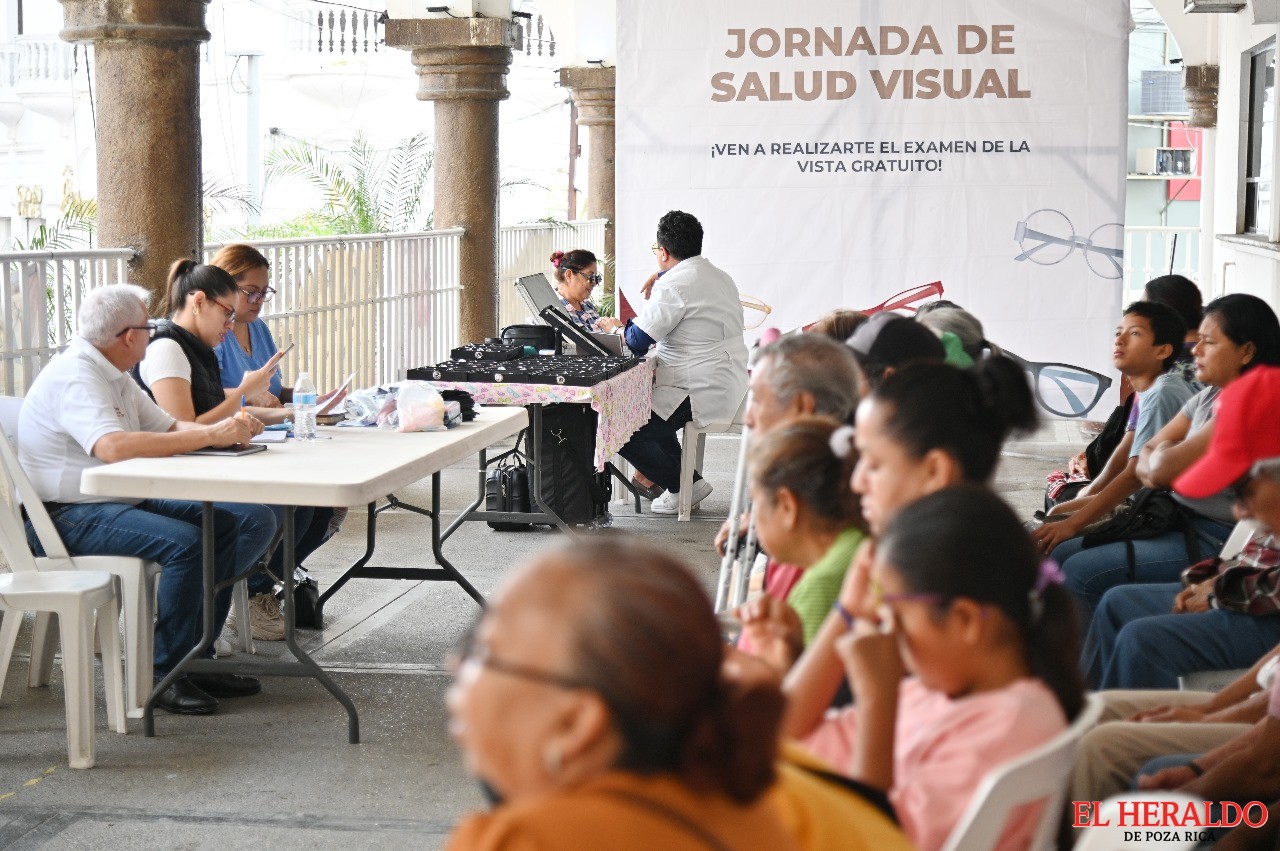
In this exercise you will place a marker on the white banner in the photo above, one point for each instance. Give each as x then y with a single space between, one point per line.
838 153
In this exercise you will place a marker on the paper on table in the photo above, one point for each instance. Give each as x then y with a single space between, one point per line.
336 397
271 437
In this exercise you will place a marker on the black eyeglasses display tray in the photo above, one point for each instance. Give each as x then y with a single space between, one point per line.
556 369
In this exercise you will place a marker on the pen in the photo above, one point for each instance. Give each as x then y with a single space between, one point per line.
242 403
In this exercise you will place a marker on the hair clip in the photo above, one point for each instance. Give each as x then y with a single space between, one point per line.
1050 574
841 441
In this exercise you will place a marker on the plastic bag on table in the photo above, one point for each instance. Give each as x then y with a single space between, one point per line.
362 406
420 407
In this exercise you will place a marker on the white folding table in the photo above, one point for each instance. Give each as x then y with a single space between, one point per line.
354 466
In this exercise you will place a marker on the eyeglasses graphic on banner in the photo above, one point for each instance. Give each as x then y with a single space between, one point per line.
907 298
1063 389
753 305
1047 237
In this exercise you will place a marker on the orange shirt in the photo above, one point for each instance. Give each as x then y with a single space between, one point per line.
626 812
802 812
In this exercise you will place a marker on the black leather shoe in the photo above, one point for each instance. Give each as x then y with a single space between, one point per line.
225 685
184 698
650 493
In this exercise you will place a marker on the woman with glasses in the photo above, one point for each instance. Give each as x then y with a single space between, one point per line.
576 276
182 374
247 348
181 371
249 345
637 728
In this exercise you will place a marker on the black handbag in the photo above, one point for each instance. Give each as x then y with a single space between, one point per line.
506 488
1099 450
1153 512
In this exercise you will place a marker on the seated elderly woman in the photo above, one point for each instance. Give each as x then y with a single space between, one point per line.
632 731
576 276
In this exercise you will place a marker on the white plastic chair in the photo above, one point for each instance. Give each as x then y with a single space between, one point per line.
691 460
138 577
75 597
1040 775
1112 837
1238 539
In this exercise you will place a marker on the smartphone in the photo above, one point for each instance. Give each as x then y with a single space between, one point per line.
287 349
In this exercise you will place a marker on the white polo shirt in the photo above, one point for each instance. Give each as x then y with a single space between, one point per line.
77 399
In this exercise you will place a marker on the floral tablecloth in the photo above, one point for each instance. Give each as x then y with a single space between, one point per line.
623 402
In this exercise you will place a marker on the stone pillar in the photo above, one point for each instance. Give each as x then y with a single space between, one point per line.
1200 82
147 85
462 66
592 89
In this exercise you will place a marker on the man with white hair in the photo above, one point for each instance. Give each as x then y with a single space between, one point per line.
84 410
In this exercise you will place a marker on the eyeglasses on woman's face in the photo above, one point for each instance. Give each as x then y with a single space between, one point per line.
471 653
595 279
230 317
150 328
255 296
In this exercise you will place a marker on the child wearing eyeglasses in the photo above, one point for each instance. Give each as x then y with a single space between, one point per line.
959 645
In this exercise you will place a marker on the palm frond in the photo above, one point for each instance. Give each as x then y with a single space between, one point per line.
221 196
310 164
406 172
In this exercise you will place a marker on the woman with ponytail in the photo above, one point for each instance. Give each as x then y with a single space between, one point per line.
595 703
576 276
181 372
809 523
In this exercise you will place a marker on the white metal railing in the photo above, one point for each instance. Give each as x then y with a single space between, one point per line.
42 295
371 304
1153 251
526 249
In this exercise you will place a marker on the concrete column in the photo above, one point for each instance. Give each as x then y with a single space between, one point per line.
147 85
462 66
593 89
1200 82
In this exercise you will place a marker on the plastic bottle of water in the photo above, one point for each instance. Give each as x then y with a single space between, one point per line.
304 408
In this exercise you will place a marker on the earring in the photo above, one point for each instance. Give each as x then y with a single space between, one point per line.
553 759
197 310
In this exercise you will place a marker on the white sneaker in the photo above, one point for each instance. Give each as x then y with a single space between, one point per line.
222 647
669 503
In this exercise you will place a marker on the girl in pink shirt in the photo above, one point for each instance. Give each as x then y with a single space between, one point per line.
957 596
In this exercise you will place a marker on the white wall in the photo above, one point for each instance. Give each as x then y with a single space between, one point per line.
1253 268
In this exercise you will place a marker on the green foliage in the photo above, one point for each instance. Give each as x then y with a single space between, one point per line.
369 192
73 229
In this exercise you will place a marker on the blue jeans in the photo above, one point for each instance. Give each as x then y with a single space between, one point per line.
311 527
1160 559
303 516
654 449
1136 642
168 532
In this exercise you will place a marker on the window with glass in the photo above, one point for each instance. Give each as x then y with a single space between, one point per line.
1260 141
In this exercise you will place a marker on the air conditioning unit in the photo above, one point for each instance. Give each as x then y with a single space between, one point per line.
1220 6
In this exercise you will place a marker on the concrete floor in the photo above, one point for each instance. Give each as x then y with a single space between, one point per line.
275 770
